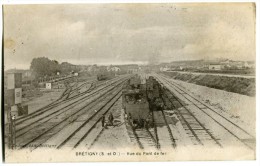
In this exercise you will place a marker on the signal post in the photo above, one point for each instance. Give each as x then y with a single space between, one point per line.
14 100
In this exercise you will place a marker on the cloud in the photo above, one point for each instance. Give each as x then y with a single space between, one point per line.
109 33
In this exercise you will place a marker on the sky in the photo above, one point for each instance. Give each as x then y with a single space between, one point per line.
128 33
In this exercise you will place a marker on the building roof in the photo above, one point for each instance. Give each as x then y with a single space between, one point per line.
16 71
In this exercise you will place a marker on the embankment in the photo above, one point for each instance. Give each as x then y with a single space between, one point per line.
245 86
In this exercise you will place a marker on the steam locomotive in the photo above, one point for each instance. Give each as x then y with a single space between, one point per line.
140 98
135 103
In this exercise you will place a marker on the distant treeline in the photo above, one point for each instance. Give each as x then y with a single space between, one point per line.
43 66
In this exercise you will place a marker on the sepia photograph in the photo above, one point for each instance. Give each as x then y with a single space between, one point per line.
127 82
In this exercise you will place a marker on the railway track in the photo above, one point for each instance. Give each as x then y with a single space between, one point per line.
96 135
75 91
165 137
194 100
97 131
78 135
80 128
144 138
65 94
47 123
162 130
72 92
198 133
225 123
60 107
156 140
173 140
54 114
159 136
65 102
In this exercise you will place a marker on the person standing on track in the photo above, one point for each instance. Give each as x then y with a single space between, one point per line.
111 118
103 120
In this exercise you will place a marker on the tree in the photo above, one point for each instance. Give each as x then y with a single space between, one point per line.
55 67
43 66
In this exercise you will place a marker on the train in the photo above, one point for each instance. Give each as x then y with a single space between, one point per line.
105 76
154 94
140 100
153 90
135 103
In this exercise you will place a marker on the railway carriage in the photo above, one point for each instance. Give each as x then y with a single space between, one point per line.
153 89
154 94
